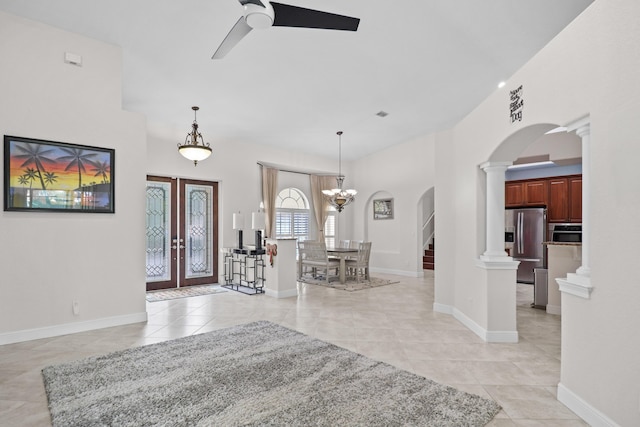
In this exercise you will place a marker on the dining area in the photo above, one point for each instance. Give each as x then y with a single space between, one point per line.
348 260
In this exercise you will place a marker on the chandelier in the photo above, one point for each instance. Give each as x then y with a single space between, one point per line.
337 197
194 147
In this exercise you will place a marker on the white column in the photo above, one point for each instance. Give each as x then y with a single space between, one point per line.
495 211
584 132
579 283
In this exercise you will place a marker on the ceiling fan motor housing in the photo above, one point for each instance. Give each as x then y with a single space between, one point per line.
258 16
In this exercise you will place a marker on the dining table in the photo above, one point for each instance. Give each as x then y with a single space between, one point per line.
342 254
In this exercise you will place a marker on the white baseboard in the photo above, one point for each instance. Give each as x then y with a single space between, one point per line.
70 328
583 409
469 323
442 308
554 309
487 336
282 294
509 337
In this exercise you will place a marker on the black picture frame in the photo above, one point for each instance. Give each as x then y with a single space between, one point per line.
51 176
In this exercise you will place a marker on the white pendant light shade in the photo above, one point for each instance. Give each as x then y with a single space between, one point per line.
194 153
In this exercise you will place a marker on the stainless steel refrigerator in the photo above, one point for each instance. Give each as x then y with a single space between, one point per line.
525 231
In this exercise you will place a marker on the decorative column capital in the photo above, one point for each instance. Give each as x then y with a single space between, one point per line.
495 166
582 126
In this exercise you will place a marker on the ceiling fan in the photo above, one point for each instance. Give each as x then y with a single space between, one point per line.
264 14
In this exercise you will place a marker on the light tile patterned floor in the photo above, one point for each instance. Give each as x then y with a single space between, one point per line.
394 323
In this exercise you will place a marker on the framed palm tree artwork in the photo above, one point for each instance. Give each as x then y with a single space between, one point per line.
55 176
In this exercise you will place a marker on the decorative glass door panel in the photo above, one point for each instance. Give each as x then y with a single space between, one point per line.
161 221
198 263
181 232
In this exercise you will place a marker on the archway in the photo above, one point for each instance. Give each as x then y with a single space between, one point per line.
426 229
503 156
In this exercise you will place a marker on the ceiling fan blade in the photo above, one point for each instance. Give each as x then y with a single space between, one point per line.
294 16
256 2
236 34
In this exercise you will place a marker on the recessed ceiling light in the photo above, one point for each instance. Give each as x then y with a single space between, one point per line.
382 113
501 85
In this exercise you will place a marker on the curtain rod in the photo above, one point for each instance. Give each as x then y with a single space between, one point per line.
283 169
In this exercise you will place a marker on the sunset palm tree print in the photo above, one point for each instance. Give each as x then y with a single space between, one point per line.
77 158
33 154
51 175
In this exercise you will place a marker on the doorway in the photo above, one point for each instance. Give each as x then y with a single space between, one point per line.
181 232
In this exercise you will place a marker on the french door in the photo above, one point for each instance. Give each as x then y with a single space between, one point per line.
182 232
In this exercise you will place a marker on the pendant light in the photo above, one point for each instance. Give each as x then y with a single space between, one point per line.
337 197
194 147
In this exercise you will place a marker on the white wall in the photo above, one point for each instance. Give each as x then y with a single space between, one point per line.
590 68
403 172
48 260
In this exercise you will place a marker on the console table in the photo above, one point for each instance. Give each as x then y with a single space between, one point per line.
244 272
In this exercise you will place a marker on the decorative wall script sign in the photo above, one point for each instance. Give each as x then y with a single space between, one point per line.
516 104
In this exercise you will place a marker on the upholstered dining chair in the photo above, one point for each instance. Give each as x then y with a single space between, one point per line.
314 255
360 265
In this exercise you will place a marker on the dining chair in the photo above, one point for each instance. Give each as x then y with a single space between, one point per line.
354 244
359 266
344 243
314 255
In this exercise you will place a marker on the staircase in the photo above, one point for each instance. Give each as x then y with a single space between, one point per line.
428 259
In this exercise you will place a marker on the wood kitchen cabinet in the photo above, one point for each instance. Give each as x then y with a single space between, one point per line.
575 198
536 192
561 195
558 208
526 193
514 194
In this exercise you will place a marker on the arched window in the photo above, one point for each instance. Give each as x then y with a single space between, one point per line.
292 214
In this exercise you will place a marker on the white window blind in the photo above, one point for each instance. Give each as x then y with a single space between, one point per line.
292 215
330 230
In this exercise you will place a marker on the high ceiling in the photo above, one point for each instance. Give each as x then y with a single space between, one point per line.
427 63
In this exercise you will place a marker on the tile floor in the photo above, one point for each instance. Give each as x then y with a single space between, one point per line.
394 324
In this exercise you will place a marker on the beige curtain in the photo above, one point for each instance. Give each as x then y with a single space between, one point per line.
320 204
269 193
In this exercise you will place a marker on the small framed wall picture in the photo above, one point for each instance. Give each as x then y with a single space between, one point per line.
383 209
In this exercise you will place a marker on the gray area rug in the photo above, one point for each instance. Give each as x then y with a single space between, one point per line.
259 374
349 285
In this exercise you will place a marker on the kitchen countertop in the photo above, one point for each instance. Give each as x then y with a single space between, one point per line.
563 243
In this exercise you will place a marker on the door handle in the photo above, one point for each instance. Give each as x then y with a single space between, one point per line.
519 225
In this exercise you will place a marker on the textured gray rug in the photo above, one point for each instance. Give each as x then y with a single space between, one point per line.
251 375
349 285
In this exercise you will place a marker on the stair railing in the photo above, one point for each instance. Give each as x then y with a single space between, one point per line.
428 230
